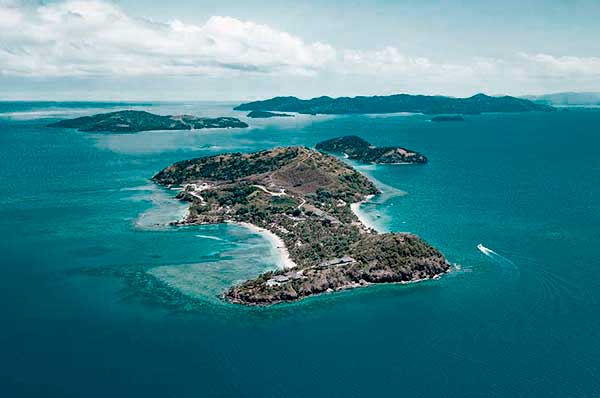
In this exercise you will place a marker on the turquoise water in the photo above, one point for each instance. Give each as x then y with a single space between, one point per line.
519 321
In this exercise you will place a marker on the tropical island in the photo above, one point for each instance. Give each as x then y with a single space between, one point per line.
266 115
305 200
432 105
448 118
130 121
356 148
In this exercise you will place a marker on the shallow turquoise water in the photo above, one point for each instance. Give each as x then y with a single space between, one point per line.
520 323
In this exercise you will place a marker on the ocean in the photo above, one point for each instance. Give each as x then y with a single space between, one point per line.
517 318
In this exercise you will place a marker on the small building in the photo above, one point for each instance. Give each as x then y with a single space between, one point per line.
277 280
336 262
281 278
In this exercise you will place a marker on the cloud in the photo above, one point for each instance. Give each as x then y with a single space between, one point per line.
88 38
9 17
94 38
390 61
564 67
527 70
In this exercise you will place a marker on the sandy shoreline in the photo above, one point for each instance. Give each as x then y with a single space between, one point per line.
355 207
285 262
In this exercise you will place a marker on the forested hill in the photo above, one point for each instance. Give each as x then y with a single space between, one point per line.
476 104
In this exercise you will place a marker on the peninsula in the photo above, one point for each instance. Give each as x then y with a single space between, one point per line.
356 148
476 104
304 197
134 121
266 115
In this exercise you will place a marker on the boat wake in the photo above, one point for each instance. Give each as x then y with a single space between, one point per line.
498 258
210 237
485 250
555 292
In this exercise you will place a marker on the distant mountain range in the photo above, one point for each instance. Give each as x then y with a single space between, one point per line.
434 105
566 99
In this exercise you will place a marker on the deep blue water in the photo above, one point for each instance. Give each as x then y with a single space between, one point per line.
522 322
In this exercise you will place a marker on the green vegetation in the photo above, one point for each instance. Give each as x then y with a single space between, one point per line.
266 115
358 149
476 104
304 197
227 167
134 121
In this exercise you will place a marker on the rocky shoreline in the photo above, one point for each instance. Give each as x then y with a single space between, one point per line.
355 148
297 284
351 285
304 198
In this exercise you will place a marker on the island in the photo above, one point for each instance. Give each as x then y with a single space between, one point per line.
266 115
356 148
448 118
432 105
305 199
130 121
567 99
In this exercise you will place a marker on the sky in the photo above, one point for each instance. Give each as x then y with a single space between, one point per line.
243 50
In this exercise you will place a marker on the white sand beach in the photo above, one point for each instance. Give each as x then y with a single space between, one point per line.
355 207
285 262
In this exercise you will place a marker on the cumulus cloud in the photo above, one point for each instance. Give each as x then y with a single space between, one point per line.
530 69
390 61
95 38
570 67
90 38
82 38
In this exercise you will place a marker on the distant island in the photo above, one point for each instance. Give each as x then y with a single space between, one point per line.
266 115
135 121
304 200
567 99
358 149
432 105
448 118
